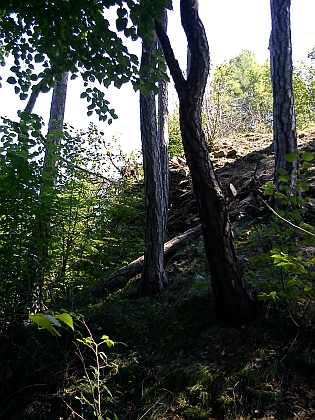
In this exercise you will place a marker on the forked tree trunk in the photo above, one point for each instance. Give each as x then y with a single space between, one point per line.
234 302
284 127
153 275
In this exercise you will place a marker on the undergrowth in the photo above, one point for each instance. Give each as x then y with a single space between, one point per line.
176 362
172 358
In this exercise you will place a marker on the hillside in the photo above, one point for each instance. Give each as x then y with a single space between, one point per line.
172 359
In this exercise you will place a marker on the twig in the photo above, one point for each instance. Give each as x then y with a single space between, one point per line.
293 342
151 408
22 389
285 220
72 410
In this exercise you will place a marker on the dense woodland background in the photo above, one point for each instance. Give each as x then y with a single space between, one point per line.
178 284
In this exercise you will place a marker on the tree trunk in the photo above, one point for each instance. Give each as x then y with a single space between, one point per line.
52 150
38 261
33 98
196 6
234 302
117 280
55 124
163 134
284 128
153 275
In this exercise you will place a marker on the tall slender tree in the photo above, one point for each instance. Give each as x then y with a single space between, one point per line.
234 301
284 127
154 276
52 148
38 259
163 139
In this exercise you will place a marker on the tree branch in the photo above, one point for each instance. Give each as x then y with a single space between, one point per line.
197 40
170 59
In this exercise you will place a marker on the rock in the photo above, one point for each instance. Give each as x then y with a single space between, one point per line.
231 154
219 154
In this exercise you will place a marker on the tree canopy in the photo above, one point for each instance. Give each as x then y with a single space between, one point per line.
78 37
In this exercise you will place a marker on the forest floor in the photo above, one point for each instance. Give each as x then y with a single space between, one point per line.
172 359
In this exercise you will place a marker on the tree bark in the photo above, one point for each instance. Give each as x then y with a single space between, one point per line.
235 304
116 280
52 149
38 252
196 6
33 98
153 275
284 127
55 124
163 133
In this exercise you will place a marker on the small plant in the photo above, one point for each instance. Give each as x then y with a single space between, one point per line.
93 383
93 386
292 274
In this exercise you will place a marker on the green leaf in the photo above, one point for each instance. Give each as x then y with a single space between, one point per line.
268 191
39 58
52 319
306 165
107 340
14 69
11 80
282 171
44 322
308 156
280 195
134 59
269 184
291 157
45 89
121 24
265 296
306 226
66 319
25 116
284 178
121 12
83 95
304 186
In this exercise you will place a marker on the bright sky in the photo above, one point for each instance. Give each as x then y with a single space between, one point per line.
231 26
